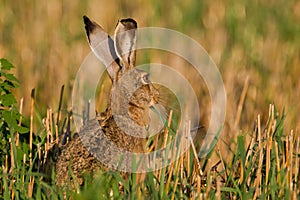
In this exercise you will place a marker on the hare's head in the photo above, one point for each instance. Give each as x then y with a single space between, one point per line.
132 93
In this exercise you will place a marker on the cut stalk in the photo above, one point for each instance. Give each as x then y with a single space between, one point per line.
241 102
60 104
31 125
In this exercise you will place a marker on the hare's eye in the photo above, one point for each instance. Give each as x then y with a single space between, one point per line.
145 79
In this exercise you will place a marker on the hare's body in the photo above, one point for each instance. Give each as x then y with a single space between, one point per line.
124 122
75 158
79 159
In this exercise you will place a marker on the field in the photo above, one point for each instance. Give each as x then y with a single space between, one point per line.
256 47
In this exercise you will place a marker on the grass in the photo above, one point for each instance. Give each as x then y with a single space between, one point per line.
255 44
247 38
266 167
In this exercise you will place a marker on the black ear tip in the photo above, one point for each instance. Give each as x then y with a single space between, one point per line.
129 23
89 25
86 20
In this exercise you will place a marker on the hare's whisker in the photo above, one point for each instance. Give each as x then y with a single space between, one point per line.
168 106
160 112
172 108
158 87
167 99
196 128
162 101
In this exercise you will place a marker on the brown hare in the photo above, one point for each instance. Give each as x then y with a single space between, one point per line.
126 118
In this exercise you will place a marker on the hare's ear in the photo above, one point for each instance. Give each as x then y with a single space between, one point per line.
125 42
102 46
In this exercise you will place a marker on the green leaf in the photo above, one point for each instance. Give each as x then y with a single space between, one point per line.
241 148
22 129
228 189
11 118
6 86
10 77
7 117
5 64
7 100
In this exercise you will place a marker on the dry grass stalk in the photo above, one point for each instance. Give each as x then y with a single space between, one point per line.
241 102
51 125
269 139
170 169
282 155
209 179
187 152
277 162
286 151
40 161
173 169
60 104
177 172
166 131
197 162
31 179
241 171
198 184
218 190
181 167
12 194
23 175
30 186
165 139
46 144
20 121
257 182
48 133
290 165
222 161
154 146
248 154
56 134
268 154
296 168
31 125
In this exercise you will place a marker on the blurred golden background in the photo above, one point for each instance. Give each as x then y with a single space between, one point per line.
257 41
